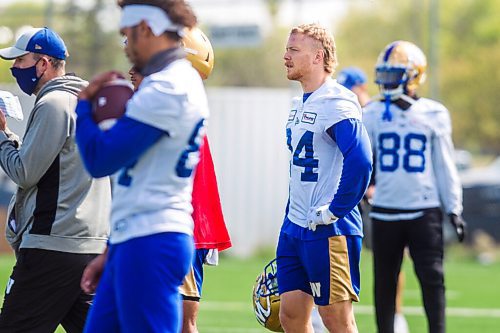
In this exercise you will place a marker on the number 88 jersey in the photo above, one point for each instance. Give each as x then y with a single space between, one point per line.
413 155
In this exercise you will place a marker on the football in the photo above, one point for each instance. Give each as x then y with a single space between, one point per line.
110 102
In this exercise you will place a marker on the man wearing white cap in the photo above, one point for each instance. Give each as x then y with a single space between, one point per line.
152 150
58 219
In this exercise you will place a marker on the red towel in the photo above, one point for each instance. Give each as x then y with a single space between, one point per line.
210 230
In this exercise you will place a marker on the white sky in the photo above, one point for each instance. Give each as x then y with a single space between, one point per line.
233 12
254 11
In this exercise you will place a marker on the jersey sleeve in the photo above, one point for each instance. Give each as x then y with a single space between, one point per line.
105 152
336 110
159 105
369 123
448 181
353 142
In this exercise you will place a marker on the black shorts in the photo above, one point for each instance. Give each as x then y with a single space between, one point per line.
44 291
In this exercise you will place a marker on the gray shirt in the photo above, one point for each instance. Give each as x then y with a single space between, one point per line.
57 205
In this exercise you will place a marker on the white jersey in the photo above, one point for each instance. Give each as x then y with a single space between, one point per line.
316 160
154 194
414 158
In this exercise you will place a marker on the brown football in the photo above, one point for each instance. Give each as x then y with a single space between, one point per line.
110 102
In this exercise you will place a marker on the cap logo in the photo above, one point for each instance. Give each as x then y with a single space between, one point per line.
38 40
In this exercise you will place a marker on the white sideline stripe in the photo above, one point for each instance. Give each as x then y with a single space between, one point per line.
218 329
453 312
361 309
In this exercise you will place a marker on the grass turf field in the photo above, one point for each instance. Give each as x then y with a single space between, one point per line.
473 295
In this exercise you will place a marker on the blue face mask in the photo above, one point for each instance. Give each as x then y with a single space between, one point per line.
26 78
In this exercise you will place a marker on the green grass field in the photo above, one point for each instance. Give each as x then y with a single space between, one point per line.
473 295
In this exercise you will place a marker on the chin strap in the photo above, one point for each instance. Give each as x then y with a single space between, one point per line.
388 99
387 115
390 96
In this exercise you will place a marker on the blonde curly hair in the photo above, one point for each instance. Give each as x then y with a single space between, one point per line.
325 38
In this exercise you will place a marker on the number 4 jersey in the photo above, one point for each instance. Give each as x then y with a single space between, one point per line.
330 157
413 153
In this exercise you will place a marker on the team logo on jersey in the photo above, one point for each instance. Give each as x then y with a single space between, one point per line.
292 114
309 117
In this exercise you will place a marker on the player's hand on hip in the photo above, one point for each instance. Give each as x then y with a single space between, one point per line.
92 273
320 216
460 226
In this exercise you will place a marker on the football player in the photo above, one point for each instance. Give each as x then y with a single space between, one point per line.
319 245
354 79
210 233
152 151
414 176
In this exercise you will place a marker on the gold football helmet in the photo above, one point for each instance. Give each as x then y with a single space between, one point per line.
266 299
199 51
400 69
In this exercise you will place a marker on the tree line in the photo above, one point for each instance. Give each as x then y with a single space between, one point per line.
467 44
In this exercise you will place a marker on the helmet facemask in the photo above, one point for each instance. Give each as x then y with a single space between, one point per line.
266 299
400 70
270 281
391 81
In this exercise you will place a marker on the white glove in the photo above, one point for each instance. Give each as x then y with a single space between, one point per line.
321 216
